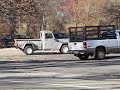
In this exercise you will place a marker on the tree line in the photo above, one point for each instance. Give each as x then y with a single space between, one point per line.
55 14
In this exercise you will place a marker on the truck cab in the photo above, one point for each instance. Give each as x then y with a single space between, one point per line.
49 42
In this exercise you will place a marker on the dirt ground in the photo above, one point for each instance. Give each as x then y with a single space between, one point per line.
13 54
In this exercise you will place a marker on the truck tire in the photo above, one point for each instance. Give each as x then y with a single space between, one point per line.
83 57
100 54
28 50
64 49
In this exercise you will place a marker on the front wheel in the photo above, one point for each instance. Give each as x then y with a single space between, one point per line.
83 57
28 50
64 49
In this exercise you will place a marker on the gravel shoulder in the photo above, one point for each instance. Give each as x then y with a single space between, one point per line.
13 54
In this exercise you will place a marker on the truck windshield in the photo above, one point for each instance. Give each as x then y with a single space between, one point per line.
91 32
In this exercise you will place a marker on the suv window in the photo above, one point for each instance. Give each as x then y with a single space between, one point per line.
21 36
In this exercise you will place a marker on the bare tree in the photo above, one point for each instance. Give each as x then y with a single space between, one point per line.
112 13
87 12
9 12
37 14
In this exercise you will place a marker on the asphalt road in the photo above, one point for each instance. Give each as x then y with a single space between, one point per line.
60 75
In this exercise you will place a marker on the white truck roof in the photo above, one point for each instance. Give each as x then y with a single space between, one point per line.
46 31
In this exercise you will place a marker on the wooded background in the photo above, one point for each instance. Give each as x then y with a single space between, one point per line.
31 16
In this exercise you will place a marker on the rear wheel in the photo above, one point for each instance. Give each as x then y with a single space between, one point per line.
64 49
83 57
100 54
28 50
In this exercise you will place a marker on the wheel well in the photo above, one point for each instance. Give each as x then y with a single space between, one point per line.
28 45
103 47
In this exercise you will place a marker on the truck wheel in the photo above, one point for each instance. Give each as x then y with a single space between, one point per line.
28 50
64 49
100 54
83 57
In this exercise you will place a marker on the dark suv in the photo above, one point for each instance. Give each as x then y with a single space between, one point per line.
60 35
8 40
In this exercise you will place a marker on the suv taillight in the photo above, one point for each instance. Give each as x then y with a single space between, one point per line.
84 44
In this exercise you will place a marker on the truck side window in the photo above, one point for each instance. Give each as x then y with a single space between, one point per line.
108 35
40 35
48 36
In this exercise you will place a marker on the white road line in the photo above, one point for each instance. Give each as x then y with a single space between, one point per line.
73 86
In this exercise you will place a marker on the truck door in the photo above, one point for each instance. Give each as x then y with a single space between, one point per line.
49 41
111 43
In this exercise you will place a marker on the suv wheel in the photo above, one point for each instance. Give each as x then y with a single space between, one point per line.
3 45
28 50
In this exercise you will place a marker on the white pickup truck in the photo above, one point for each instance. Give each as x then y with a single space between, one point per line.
96 41
46 42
